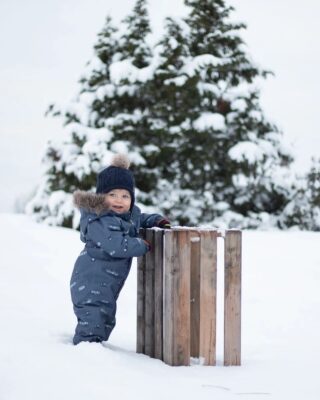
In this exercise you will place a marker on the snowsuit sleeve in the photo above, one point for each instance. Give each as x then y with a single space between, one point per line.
149 220
109 234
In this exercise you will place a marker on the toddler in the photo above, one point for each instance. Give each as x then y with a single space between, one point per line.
109 227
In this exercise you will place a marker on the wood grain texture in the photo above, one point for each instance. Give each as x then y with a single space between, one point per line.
149 296
232 298
195 293
176 339
158 295
208 293
168 297
141 263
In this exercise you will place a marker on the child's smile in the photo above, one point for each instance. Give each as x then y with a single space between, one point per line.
119 200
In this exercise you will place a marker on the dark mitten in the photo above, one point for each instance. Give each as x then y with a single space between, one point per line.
164 224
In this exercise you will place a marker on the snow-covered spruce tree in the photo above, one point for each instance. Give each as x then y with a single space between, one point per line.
99 121
131 127
187 113
129 74
208 152
303 211
160 177
133 41
227 163
73 162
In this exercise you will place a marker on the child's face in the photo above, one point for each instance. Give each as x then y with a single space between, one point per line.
118 200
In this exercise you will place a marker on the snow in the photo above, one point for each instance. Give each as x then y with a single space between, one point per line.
209 120
204 87
246 151
179 81
60 202
280 327
107 90
124 70
239 105
203 61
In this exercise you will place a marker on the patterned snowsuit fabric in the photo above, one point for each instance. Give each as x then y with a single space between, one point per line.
101 269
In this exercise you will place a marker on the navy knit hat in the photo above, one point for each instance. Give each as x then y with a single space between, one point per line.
117 176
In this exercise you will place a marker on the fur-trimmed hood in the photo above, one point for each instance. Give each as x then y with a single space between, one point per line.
92 202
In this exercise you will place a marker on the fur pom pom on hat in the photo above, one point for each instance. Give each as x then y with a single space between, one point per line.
121 161
117 176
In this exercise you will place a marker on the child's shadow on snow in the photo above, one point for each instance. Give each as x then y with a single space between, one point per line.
66 338
113 347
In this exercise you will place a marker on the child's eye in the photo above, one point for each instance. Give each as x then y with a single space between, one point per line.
126 196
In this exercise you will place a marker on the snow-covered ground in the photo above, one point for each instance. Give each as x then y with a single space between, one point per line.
280 329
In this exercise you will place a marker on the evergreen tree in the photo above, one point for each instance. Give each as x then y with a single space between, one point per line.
303 210
215 156
159 177
187 112
238 149
129 75
133 43
99 121
73 162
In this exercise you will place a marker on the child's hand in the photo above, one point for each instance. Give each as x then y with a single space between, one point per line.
148 244
164 224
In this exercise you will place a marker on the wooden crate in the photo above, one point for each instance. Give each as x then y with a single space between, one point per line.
177 287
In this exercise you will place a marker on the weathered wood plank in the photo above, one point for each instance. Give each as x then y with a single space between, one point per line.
207 300
141 301
158 295
149 296
195 294
168 297
176 339
232 303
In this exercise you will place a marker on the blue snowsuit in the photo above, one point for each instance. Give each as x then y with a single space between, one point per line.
100 271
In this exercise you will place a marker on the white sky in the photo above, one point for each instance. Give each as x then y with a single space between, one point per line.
45 44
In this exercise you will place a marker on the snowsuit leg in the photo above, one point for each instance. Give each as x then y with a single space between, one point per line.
95 287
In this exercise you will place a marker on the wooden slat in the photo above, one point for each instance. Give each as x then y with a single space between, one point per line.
208 290
149 296
176 339
195 294
158 295
168 297
141 301
232 304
